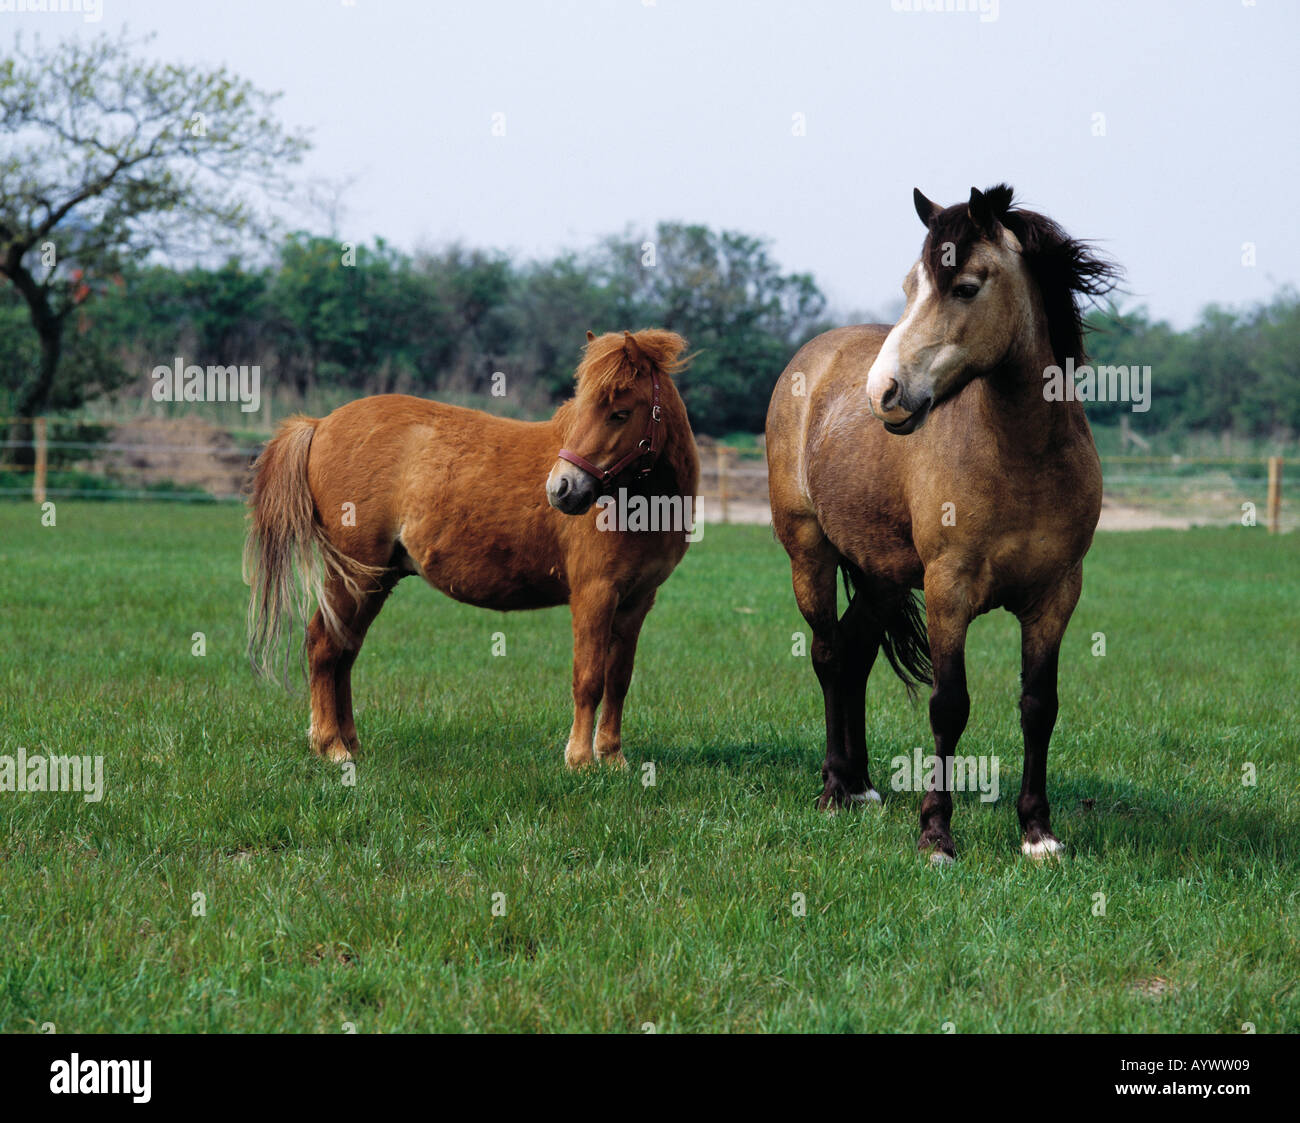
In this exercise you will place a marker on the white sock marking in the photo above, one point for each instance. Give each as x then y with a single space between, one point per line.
1046 848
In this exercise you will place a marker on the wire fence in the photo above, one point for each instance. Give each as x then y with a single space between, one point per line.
1140 492
94 460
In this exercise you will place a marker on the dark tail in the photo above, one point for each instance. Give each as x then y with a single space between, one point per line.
901 621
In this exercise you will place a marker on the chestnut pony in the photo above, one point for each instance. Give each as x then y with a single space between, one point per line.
926 455
492 512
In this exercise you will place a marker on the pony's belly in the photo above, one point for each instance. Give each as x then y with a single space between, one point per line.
505 600
503 591
474 565
889 562
880 547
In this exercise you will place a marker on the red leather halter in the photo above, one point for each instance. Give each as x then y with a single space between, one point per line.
647 448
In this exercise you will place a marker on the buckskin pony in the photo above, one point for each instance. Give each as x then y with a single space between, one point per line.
493 512
926 455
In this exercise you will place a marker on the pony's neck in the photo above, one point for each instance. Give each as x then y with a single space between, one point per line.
1013 403
677 471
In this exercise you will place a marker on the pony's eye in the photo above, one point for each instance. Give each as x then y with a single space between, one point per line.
619 416
965 292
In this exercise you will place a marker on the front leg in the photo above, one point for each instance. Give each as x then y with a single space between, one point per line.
618 676
948 615
1041 631
593 615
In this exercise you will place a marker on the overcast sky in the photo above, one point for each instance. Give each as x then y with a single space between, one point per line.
621 112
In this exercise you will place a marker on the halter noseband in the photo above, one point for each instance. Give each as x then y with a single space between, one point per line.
647 447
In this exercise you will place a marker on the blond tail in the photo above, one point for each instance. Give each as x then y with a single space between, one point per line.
287 557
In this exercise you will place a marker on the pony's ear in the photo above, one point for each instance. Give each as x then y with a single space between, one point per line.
590 335
925 210
632 351
983 211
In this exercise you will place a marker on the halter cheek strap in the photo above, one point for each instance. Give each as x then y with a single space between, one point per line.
647 448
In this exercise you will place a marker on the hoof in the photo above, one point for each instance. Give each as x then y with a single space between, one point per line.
1042 850
576 760
615 760
336 752
832 799
937 845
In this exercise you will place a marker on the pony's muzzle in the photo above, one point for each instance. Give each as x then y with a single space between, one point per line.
911 421
569 489
889 399
898 411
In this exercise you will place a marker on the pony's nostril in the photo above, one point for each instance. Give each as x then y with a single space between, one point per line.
562 487
889 398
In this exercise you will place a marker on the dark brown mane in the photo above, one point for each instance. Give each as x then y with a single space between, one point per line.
605 369
1065 269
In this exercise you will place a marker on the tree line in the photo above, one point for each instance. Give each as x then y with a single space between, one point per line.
370 319
325 315
1233 370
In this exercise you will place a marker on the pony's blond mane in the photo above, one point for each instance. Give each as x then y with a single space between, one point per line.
606 371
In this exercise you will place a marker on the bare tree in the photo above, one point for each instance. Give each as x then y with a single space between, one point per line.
106 153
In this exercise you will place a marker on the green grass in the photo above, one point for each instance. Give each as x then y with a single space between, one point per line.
627 904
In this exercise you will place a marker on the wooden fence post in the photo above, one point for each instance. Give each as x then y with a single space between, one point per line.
722 451
38 479
1274 494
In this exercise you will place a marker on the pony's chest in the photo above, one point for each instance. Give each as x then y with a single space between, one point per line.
1009 533
1009 548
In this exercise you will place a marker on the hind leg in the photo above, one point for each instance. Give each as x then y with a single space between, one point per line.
814 567
333 732
359 625
860 643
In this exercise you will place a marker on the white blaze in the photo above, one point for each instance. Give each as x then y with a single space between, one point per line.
885 367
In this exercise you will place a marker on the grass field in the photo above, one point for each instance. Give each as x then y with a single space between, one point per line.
627 904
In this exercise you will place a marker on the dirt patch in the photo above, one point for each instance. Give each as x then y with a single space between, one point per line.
186 451
1114 516
1157 987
